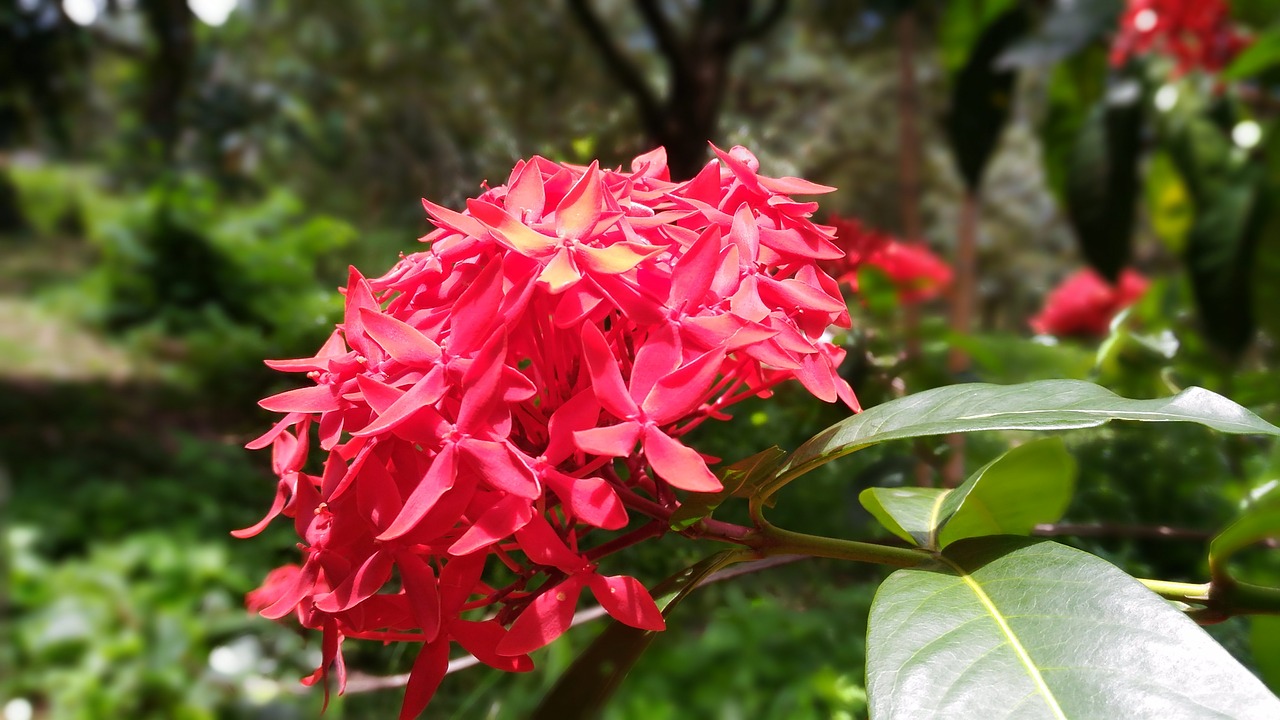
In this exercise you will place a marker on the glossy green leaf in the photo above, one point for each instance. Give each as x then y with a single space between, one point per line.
1017 628
1029 485
1259 521
909 513
982 97
583 689
1042 405
739 479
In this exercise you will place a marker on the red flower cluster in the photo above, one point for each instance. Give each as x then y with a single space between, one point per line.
916 272
527 380
1085 303
1197 33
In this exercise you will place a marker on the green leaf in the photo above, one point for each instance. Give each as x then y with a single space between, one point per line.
1168 204
1102 180
1230 193
909 513
982 97
1264 640
1263 54
1259 521
1042 405
1029 485
1220 254
961 25
739 479
1074 87
1017 628
583 689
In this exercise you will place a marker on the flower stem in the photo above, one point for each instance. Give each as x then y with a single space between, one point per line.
776 541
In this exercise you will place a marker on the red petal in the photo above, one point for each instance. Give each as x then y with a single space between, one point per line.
612 441
458 581
372 574
481 640
439 478
793 186
498 466
617 258
544 620
419 398
696 269
293 594
498 522
606 377
422 591
560 274
314 399
678 393
526 194
590 500
269 436
627 601
510 231
580 210
540 542
428 670
450 220
402 341
656 358
282 493
680 466
577 413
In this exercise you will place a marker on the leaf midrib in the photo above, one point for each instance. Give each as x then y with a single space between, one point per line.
1041 686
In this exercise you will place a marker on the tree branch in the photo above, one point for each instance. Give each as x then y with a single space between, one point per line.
623 70
663 34
762 25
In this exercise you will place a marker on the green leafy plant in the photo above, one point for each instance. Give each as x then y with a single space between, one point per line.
981 618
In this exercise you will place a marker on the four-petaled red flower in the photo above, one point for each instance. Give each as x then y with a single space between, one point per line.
527 380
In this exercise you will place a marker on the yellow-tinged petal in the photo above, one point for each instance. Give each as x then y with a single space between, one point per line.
560 273
510 231
614 259
580 210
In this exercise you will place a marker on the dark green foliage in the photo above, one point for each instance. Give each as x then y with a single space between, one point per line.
982 97
1102 178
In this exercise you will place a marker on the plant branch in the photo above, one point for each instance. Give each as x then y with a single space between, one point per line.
762 24
663 34
623 69
776 541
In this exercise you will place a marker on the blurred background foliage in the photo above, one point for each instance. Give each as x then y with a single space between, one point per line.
183 184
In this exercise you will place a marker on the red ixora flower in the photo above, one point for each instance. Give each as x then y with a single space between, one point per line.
914 270
525 383
1198 34
1084 303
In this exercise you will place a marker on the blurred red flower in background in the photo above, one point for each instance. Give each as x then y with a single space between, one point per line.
1198 34
913 269
1085 303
